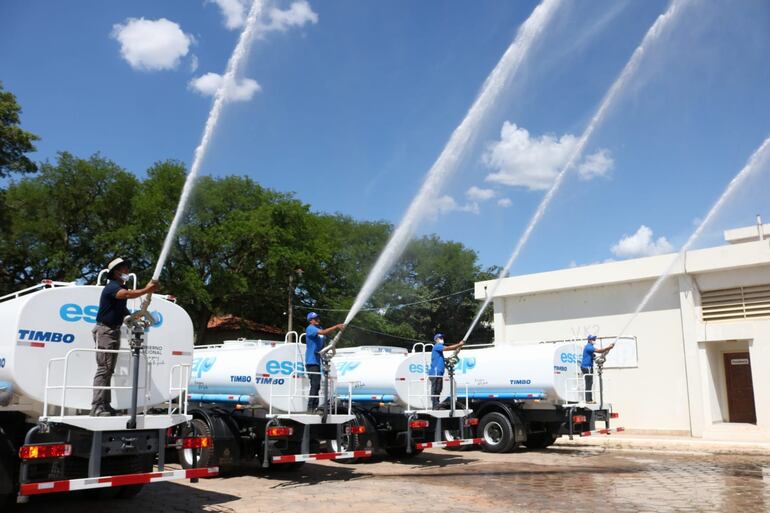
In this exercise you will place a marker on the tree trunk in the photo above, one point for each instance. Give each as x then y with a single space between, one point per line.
203 321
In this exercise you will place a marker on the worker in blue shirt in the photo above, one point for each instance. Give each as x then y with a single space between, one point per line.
437 365
109 318
587 365
314 340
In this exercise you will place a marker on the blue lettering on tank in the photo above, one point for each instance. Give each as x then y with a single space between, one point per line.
346 367
285 367
202 365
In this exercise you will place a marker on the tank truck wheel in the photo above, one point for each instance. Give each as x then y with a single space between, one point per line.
496 432
204 455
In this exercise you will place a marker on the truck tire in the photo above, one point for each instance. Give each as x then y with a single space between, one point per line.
496 432
204 455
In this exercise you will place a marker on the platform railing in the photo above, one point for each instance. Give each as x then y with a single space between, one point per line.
64 387
296 393
185 370
43 284
427 396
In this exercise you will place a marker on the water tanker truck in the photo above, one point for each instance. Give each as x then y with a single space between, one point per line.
392 398
48 440
507 395
251 396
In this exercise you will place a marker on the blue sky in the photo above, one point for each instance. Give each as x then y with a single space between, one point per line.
348 103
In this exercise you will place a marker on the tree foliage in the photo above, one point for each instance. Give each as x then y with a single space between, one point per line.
235 252
14 141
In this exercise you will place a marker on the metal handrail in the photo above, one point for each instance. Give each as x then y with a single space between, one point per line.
296 376
184 384
43 284
430 396
64 386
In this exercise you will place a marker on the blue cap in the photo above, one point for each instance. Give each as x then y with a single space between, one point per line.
311 316
591 337
438 336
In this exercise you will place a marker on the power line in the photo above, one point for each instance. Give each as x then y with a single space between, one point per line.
438 298
386 334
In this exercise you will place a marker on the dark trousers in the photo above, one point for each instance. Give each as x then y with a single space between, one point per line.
315 386
589 378
104 338
436 386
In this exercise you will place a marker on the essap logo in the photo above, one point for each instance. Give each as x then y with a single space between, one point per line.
201 366
345 367
285 367
72 312
570 358
46 336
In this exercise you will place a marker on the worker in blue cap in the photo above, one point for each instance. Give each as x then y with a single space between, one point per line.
314 340
587 365
437 366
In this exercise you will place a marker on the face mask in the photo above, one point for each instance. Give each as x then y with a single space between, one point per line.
124 277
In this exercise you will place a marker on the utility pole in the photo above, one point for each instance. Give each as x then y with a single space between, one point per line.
290 306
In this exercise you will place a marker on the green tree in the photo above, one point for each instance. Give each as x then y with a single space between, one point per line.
66 222
14 141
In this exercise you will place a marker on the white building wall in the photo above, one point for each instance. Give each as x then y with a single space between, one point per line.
679 384
652 396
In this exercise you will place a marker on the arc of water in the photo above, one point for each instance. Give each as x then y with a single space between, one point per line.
760 156
657 28
233 68
454 150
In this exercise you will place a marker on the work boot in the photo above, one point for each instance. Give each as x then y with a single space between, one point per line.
100 411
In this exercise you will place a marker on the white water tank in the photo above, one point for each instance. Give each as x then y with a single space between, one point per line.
382 374
50 322
252 371
546 372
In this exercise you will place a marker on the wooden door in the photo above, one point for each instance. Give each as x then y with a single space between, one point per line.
740 391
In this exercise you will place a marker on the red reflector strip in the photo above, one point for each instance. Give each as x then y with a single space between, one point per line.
578 419
276 432
30 344
614 415
471 422
602 431
293 458
196 442
43 451
419 424
448 443
109 481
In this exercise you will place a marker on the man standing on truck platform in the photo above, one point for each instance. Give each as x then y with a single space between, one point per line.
314 340
109 319
437 365
587 365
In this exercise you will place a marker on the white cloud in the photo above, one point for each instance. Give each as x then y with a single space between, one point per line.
235 91
234 12
521 160
640 244
193 63
504 202
297 15
446 204
151 44
479 194
598 164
